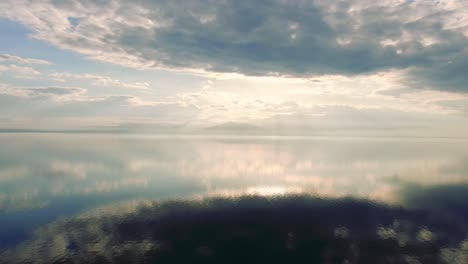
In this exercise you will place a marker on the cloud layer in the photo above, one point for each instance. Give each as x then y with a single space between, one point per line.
16 59
296 38
300 67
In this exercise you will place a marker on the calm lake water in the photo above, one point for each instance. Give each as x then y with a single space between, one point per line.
45 178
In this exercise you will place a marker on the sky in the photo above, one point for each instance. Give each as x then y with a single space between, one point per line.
298 67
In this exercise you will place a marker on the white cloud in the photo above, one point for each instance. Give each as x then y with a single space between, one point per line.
98 80
21 60
20 71
256 98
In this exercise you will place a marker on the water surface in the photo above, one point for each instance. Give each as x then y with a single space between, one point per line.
48 177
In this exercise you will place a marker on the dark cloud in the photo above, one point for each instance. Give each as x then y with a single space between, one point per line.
449 73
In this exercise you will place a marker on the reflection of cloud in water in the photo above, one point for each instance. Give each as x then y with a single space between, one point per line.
240 167
254 190
13 173
103 186
249 229
72 169
107 165
221 166
21 200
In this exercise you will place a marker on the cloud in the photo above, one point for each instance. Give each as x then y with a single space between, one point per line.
58 91
287 38
13 173
54 92
343 120
460 106
73 108
19 71
253 99
98 80
21 60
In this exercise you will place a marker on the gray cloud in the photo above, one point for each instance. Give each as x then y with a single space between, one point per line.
59 91
295 38
41 91
461 105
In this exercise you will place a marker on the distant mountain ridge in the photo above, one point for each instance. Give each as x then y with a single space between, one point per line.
233 127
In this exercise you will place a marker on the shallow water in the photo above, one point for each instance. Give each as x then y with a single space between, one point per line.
47 180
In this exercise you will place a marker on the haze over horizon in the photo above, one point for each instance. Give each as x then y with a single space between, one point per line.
390 67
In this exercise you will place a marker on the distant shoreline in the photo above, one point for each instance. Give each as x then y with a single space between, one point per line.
223 135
